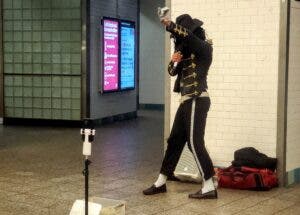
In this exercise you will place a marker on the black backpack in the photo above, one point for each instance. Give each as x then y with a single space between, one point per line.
251 157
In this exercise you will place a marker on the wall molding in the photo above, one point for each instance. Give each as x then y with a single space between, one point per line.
293 177
152 106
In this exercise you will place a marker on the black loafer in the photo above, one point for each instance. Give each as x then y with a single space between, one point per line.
155 190
209 195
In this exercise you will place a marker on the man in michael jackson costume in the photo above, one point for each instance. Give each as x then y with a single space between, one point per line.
190 62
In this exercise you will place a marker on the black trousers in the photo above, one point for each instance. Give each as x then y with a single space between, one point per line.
189 126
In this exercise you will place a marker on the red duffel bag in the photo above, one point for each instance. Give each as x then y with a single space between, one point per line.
247 178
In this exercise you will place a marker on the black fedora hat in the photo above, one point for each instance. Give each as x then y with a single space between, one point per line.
186 21
198 22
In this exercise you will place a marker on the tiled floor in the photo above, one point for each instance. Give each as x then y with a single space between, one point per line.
41 173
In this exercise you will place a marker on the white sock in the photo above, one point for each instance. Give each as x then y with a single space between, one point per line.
208 185
162 179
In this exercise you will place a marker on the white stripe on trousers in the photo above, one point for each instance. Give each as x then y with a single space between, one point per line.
192 138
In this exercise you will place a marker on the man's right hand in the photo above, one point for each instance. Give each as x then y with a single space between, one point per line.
165 21
176 57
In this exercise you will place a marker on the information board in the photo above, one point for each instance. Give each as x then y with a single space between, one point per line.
118 55
110 55
127 55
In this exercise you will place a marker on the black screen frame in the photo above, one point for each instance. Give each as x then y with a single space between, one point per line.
119 89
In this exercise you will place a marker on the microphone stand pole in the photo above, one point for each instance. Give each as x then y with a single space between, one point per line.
87 134
85 172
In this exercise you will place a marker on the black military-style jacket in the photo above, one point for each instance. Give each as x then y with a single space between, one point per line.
192 70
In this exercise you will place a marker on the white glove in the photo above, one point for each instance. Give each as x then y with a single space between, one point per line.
163 13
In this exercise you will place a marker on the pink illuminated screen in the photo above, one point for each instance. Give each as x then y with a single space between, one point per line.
111 58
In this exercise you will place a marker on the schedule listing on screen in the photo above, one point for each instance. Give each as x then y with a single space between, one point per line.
127 55
110 55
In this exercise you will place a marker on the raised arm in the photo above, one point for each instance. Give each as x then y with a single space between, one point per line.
199 47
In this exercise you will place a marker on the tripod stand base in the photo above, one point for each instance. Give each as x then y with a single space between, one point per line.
107 207
78 208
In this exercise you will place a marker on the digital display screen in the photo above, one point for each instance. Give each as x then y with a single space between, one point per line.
127 55
110 55
118 55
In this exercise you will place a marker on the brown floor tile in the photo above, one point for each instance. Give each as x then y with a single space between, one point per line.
41 173
292 210
269 206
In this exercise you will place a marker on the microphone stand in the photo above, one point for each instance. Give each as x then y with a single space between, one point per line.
87 134
85 172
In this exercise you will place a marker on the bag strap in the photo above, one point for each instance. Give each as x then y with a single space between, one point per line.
249 169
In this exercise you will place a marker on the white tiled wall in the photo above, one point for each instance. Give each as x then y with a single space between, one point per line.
243 77
293 117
